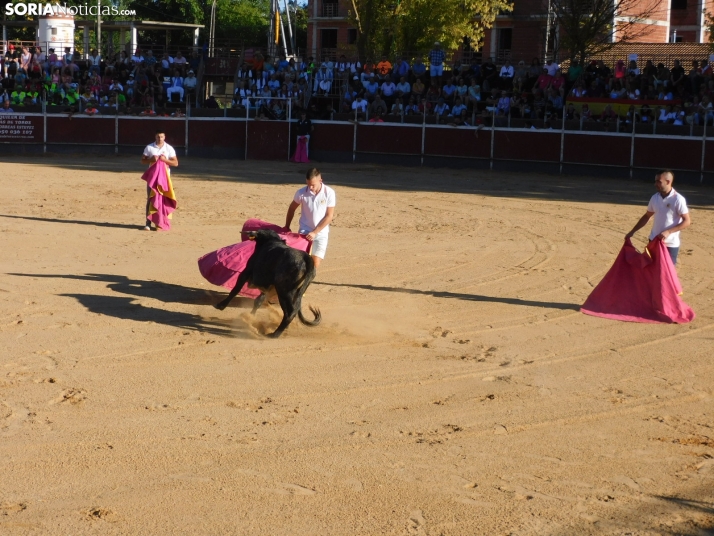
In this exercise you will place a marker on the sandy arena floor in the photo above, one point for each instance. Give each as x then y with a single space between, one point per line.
453 388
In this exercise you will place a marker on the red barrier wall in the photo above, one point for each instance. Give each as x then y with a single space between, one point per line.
536 146
388 139
599 150
332 137
140 131
665 153
89 130
457 142
267 140
224 134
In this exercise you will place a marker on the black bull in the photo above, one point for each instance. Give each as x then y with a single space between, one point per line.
274 264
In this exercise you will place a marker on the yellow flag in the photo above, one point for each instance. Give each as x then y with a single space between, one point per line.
277 26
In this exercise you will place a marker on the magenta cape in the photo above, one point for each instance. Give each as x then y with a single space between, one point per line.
301 150
163 199
640 287
222 267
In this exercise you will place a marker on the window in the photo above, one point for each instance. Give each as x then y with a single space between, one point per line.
505 36
329 8
328 38
351 36
679 4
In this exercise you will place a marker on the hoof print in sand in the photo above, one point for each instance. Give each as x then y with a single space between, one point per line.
10 508
101 514
72 396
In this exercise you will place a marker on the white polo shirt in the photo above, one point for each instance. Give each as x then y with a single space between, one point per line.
165 149
313 207
667 213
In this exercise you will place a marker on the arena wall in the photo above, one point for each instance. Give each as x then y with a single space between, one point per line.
688 151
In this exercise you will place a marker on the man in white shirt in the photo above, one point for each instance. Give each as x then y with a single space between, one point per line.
159 151
95 61
670 212
552 67
317 209
176 86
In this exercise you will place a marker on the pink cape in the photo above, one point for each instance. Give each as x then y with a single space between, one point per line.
640 287
163 199
301 150
222 267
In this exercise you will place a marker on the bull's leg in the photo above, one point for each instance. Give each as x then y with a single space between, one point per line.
258 302
242 279
287 304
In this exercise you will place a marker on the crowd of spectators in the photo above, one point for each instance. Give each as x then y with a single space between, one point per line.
120 83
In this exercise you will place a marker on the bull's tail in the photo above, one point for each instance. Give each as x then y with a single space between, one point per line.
310 273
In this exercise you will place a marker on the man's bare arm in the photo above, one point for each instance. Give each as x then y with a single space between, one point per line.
291 213
640 224
324 222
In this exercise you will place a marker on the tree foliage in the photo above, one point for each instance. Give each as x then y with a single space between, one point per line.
389 26
590 27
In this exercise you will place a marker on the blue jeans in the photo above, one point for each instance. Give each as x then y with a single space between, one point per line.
673 252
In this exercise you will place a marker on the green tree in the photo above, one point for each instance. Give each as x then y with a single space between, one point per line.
388 26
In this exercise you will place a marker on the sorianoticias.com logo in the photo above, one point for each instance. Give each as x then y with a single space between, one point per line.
40 9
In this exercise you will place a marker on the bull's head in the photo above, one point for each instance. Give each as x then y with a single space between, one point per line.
264 236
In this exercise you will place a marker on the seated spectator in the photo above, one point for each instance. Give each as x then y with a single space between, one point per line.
506 75
474 94
664 95
95 61
552 67
348 98
570 113
441 109
645 114
433 93
180 62
462 89
323 80
397 107
148 111
425 107
632 92
6 109
359 107
575 72
91 108
520 77
458 107
378 106
376 119
503 106
608 114
383 69
403 88
178 112
662 77
556 102
620 70
411 108
678 116
579 91
633 69
176 86
388 91
189 83
489 75
211 103
372 88
543 81
400 70
116 85
418 89
518 105
538 107
558 82
705 111
419 68
448 92
617 91
585 112
460 120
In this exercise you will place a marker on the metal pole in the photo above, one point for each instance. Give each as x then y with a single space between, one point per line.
290 27
354 139
116 132
185 143
704 148
493 136
290 124
282 31
247 113
632 149
99 27
562 142
44 126
423 135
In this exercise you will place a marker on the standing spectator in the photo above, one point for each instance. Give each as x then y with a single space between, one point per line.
489 75
677 75
436 63
671 214
304 130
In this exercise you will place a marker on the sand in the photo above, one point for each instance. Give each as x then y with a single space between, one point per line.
452 388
